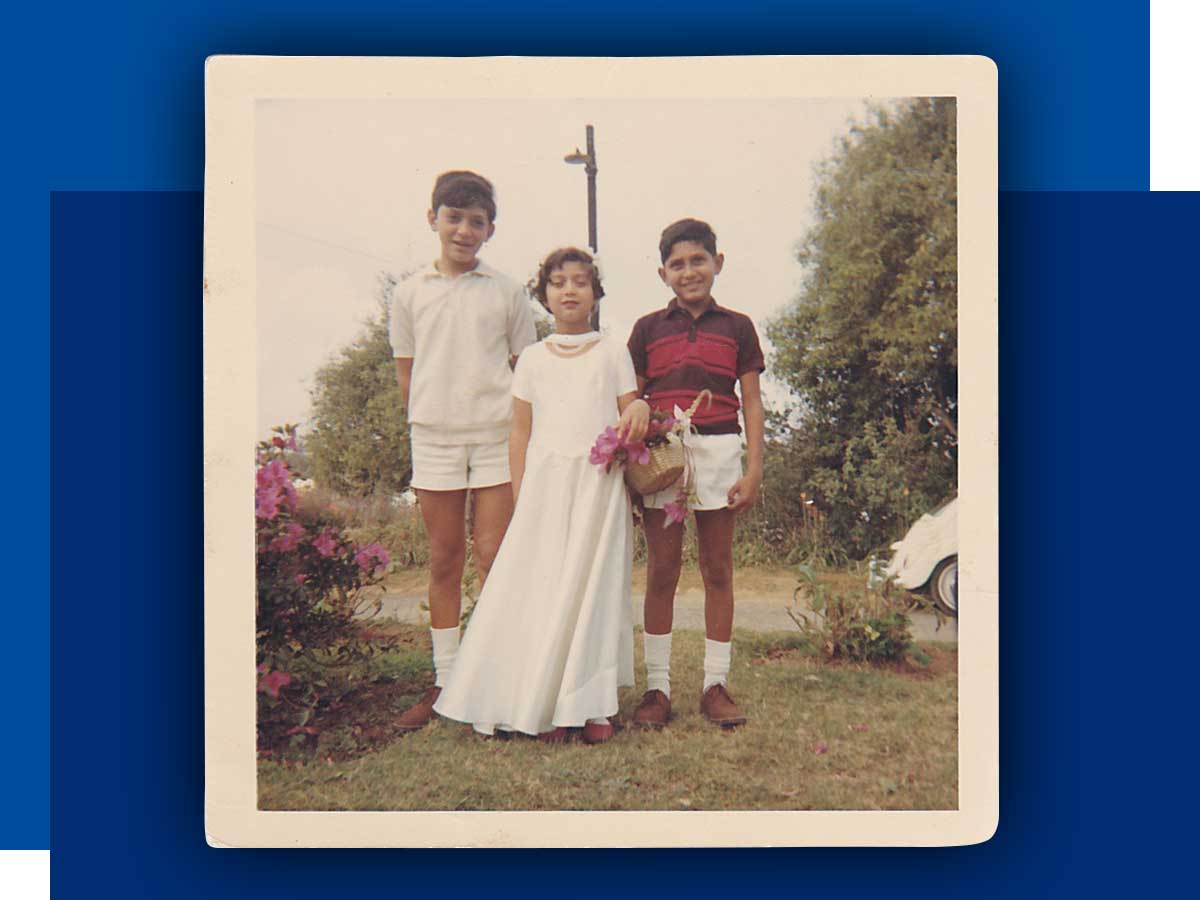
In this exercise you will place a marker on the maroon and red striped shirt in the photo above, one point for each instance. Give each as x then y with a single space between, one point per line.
680 356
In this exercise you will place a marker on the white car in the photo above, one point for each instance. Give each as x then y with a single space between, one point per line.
926 560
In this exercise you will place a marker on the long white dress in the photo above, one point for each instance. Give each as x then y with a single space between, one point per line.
551 636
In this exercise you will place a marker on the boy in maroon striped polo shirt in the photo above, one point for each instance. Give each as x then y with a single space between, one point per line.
692 345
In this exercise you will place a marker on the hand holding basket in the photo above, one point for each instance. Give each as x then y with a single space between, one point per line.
668 459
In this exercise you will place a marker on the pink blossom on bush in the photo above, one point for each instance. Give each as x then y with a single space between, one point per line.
373 558
324 544
273 681
290 539
266 504
273 487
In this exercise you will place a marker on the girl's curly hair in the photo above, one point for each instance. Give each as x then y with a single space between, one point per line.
556 260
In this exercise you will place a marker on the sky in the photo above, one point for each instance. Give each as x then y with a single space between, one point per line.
342 188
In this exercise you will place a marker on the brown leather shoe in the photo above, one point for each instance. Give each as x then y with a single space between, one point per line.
654 711
718 707
559 735
418 715
597 732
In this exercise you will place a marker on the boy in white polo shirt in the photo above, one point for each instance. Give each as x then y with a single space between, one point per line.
456 327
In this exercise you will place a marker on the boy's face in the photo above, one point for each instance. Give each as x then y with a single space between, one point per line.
689 270
461 232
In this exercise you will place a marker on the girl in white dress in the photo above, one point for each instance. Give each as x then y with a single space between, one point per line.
551 637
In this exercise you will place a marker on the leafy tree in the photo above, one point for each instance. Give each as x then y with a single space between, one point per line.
870 346
359 444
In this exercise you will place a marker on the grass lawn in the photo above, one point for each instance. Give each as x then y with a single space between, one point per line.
820 736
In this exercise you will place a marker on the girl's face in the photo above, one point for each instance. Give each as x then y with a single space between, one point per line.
571 298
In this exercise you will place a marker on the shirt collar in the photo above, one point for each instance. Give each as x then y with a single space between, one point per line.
481 268
713 307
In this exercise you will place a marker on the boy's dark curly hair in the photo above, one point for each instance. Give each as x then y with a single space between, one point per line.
462 190
687 230
556 260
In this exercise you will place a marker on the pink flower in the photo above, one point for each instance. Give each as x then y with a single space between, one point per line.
300 578
605 449
675 513
374 558
273 474
638 452
271 480
287 542
324 544
266 504
659 427
291 441
273 681
278 442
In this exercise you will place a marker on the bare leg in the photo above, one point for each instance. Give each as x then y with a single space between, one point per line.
493 510
664 552
444 513
715 529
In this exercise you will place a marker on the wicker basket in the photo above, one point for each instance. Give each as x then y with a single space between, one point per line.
667 461
663 470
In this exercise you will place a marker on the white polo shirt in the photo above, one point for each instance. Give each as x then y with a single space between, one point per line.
460 333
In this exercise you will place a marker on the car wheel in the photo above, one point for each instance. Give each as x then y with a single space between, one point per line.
943 586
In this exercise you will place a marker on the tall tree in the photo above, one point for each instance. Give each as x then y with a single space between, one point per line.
870 346
359 444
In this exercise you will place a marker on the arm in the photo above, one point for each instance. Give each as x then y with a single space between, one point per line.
745 491
518 442
404 366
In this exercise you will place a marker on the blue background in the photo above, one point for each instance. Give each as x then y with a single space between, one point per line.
1092 740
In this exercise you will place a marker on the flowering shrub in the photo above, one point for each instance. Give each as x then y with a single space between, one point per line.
312 583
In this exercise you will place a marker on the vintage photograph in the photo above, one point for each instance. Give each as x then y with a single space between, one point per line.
606 449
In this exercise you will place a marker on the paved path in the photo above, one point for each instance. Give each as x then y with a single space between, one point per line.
757 609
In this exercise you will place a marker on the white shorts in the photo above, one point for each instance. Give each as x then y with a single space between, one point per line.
717 460
456 467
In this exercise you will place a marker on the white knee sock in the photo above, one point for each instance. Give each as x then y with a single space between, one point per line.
716 662
658 662
445 648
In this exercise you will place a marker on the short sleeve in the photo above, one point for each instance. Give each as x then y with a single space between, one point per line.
623 364
750 355
400 323
637 348
524 377
521 331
